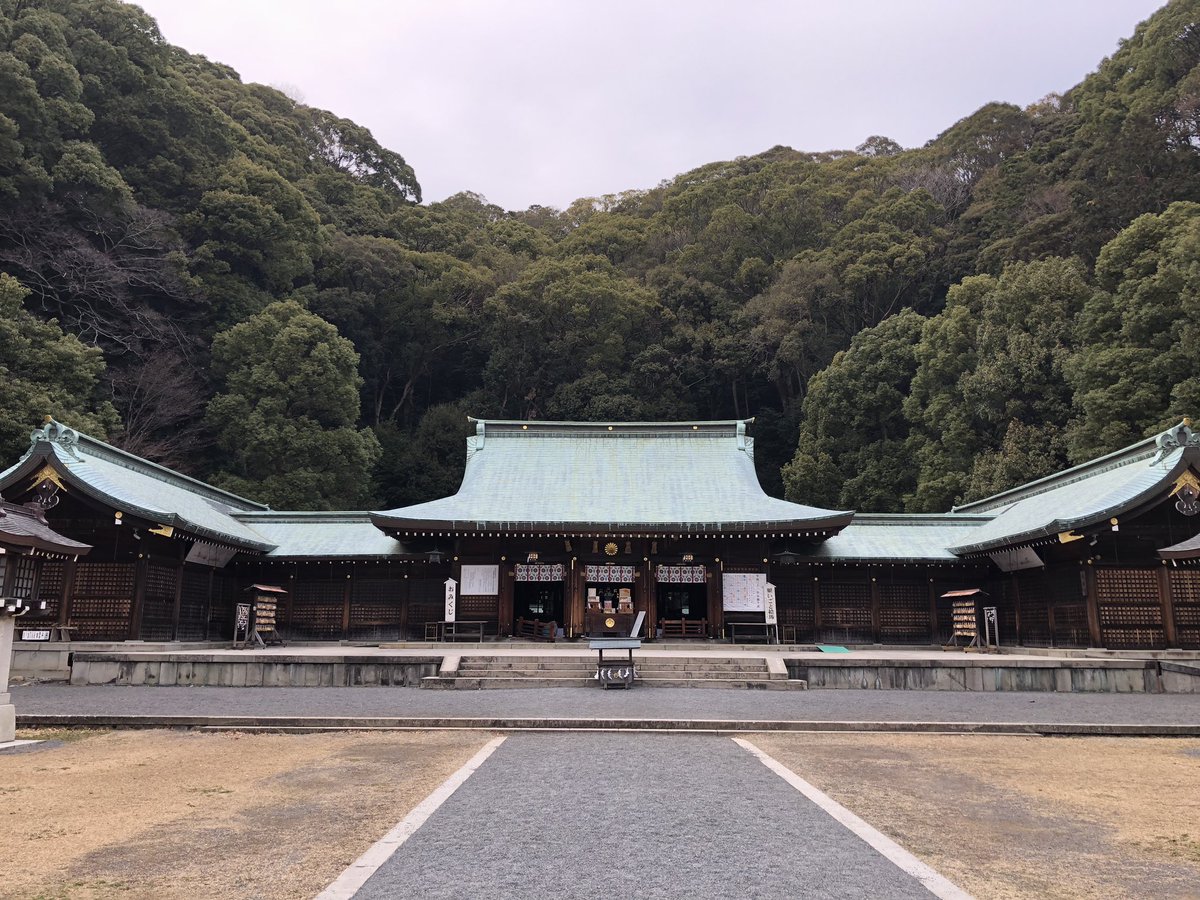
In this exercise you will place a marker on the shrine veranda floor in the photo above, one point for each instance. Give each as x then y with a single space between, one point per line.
228 814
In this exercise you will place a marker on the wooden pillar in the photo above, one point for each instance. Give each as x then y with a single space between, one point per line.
576 576
816 608
346 589
716 613
650 583
650 626
1093 606
1016 599
177 605
290 586
138 602
1168 606
507 585
876 602
68 589
933 612
401 587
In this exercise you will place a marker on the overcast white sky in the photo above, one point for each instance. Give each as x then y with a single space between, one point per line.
544 101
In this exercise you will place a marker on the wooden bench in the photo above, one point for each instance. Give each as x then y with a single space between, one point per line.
536 630
758 629
683 628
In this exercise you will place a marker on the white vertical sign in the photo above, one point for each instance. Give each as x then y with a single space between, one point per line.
769 609
451 598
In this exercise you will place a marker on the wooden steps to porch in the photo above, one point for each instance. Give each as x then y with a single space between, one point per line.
489 672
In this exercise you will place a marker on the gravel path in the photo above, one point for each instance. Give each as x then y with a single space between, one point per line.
568 816
649 703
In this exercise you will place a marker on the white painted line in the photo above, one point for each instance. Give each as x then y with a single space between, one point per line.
10 745
935 883
356 874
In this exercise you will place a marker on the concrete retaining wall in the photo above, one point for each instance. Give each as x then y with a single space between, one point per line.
251 671
1092 676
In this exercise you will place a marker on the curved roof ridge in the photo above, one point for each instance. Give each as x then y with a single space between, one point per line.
56 432
1143 449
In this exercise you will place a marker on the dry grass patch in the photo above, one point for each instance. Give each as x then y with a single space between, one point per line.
1022 817
168 814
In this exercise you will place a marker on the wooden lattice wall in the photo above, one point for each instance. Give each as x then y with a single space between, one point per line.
904 613
158 605
194 604
794 601
845 612
1185 596
101 600
1130 608
376 609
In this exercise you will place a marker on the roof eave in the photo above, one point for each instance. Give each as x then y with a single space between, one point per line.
1136 504
159 517
831 524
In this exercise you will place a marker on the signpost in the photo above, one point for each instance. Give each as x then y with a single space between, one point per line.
241 625
771 610
991 628
451 599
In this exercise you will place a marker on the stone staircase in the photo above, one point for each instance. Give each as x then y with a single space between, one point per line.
483 672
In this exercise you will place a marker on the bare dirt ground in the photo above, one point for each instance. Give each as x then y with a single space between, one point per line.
1018 817
172 814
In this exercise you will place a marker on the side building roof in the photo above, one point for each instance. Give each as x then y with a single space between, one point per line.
1117 484
26 528
893 538
683 477
322 535
133 486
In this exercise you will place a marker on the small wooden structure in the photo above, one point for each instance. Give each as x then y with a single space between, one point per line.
255 622
964 616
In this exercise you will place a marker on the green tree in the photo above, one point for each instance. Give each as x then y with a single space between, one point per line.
853 450
44 372
991 380
1137 369
286 418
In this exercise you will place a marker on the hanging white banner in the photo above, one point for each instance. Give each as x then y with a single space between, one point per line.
451 599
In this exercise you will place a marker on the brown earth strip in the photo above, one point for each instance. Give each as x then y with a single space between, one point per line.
1022 817
168 814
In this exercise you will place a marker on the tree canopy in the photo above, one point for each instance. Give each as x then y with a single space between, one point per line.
237 284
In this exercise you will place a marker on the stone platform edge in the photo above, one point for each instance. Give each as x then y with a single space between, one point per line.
301 724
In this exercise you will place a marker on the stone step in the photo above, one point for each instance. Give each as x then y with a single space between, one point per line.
549 662
477 683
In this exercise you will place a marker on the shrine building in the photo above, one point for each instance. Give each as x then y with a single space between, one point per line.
561 526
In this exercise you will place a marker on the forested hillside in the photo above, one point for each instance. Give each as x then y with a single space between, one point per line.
233 283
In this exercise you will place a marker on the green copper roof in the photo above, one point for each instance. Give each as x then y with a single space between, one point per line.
135 486
1085 495
322 535
885 537
684 476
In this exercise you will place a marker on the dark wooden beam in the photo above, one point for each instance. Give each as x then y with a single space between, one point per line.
1166 596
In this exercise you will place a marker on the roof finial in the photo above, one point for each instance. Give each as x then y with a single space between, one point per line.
55 433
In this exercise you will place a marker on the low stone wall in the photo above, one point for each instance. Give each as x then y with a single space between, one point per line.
273 670
51 660
994 674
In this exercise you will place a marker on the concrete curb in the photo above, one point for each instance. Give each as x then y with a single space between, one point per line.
516 723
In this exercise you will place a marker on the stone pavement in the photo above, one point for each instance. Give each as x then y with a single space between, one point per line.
592 702
566 816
